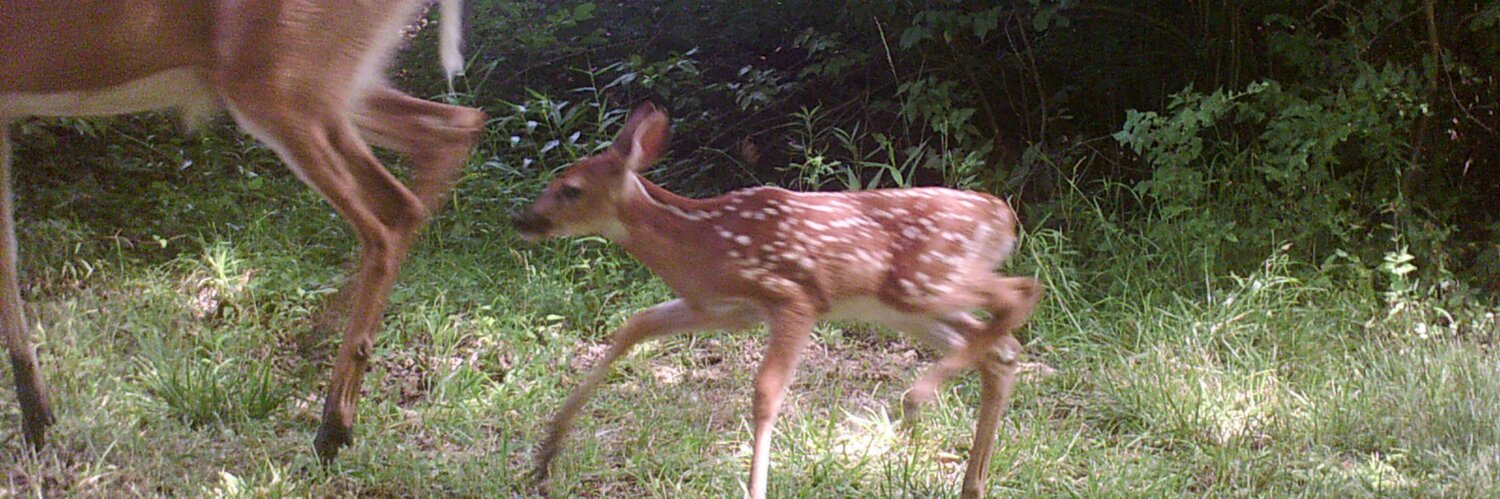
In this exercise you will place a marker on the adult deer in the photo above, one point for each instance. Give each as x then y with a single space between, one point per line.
303 76
917 260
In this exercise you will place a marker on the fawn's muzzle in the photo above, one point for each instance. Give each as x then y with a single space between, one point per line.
530 223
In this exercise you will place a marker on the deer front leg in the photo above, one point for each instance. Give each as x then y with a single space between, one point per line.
31 392
673 317
790 329
997 378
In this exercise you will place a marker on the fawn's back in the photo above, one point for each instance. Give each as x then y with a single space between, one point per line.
910 249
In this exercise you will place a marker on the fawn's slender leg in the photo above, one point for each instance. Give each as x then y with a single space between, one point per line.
31 392
948 333
994 350
1011 301
436 137
791 329
322 146
997 378
673 317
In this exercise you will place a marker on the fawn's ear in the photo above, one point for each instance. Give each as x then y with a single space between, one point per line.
644 138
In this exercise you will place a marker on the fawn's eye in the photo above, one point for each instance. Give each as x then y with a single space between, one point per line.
569 193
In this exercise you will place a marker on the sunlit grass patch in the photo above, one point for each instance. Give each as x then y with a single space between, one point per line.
191 368
1175 399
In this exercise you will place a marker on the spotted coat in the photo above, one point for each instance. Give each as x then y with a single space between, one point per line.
910 249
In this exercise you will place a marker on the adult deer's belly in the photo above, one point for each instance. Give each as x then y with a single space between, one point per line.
185 89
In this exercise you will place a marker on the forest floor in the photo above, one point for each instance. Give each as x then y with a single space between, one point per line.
173 316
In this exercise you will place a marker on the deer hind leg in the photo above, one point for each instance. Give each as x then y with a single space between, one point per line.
1010 300
673 317
995 351
31 392
947 333
437 138
322 146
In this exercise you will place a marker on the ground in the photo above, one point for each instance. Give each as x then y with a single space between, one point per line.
175 330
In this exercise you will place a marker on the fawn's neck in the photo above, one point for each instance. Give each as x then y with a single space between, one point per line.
652 217
666 232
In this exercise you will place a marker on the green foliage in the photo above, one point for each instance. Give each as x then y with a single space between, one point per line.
532 26
944 24
880 166
663 78
940 106
828 56
1270 166
757 87
1276 279
203 391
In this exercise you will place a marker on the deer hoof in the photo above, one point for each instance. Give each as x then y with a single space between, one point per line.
543 468
34 425
914 400
36 414
330 439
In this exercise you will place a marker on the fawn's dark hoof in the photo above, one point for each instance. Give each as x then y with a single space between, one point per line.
543 465
331 438
915 399
34 423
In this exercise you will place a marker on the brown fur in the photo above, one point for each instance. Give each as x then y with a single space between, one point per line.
918 260
304 76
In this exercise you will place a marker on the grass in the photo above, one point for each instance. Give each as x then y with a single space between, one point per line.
181 362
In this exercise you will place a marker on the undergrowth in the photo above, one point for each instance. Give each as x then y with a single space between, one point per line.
182 362
1248 292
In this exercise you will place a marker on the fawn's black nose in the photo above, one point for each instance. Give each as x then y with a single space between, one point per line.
529 223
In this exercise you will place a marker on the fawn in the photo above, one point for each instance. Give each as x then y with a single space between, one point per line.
916 260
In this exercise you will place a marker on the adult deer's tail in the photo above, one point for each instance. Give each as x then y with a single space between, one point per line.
450 38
